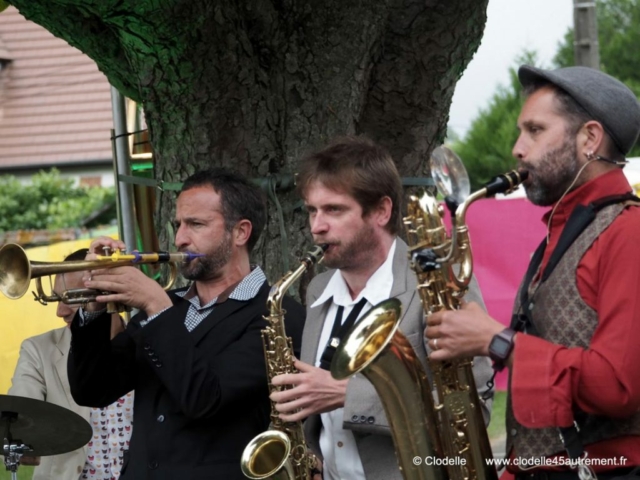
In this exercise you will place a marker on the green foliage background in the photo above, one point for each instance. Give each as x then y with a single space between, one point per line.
486 148
51 202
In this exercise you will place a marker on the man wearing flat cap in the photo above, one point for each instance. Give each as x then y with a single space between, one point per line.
572 347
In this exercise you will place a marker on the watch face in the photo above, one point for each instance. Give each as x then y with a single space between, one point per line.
500 347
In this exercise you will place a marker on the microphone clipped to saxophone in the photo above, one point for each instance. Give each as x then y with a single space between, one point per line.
281 452
451 427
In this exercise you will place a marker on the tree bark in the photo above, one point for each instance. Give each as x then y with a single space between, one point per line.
254 85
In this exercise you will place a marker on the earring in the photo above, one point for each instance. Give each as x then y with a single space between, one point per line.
590 155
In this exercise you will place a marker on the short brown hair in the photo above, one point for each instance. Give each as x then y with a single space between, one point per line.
359 167
239 199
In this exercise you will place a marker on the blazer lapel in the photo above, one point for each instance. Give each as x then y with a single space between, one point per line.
311 333
221 312
315 321
404 279
59 359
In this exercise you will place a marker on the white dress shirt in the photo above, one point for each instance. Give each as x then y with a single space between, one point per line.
339 449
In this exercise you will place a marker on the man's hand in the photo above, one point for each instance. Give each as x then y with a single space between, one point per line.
313 390
96 248
126 285
129 286
318 476
460 333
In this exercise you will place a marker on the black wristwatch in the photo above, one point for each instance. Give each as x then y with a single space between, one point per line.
501 347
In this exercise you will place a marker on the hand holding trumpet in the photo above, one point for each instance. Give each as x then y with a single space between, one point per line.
124 285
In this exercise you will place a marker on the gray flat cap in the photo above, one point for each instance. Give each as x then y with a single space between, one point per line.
607 100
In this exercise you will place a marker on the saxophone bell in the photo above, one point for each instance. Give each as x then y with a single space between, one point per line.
267 456
280 453
376 348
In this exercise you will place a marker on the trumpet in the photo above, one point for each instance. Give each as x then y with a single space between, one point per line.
17 271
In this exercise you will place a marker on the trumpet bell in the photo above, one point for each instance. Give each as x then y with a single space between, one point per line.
15 271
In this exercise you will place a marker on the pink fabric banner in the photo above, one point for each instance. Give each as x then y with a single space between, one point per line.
504 234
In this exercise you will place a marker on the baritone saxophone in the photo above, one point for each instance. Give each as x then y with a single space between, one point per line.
281 452
452 427
444 267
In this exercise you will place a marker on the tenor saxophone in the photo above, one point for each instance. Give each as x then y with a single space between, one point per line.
281 452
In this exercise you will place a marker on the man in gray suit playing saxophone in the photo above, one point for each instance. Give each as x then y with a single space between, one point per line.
353 195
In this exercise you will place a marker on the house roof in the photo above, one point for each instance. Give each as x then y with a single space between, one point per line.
4 53
55 105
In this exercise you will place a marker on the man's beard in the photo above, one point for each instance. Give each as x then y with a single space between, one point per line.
354 253
210 266
552 174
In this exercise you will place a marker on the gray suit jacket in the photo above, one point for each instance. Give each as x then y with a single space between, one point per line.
41 373
374 441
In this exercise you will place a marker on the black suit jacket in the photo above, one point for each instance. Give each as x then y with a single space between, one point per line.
200 396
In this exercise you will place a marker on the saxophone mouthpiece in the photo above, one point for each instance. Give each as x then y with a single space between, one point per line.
324 246
191 256
506 182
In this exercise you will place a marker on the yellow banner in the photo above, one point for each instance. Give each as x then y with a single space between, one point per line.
24 318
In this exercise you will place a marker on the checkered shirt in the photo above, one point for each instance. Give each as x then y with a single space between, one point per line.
246 290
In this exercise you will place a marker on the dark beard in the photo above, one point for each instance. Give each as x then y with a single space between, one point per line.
355 253
206 268
552 174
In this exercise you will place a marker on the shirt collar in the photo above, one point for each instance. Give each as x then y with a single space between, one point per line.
610 183
377 289
244 290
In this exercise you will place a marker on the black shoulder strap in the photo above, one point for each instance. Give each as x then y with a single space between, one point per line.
578 221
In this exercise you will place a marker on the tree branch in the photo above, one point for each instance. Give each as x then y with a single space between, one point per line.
81 27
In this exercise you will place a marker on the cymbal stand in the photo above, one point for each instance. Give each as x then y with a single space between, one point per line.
12 450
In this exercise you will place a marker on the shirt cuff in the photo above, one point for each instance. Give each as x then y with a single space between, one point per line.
148 320
540 393
87 317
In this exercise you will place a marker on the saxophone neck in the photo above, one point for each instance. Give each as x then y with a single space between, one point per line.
504 183
278 289
460 252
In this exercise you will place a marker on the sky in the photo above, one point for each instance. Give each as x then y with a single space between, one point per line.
512 26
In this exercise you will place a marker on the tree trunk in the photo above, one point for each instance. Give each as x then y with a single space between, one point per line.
254 85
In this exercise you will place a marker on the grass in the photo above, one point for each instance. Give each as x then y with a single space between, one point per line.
24 473
496 426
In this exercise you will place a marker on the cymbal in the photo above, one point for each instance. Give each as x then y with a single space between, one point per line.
48 428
